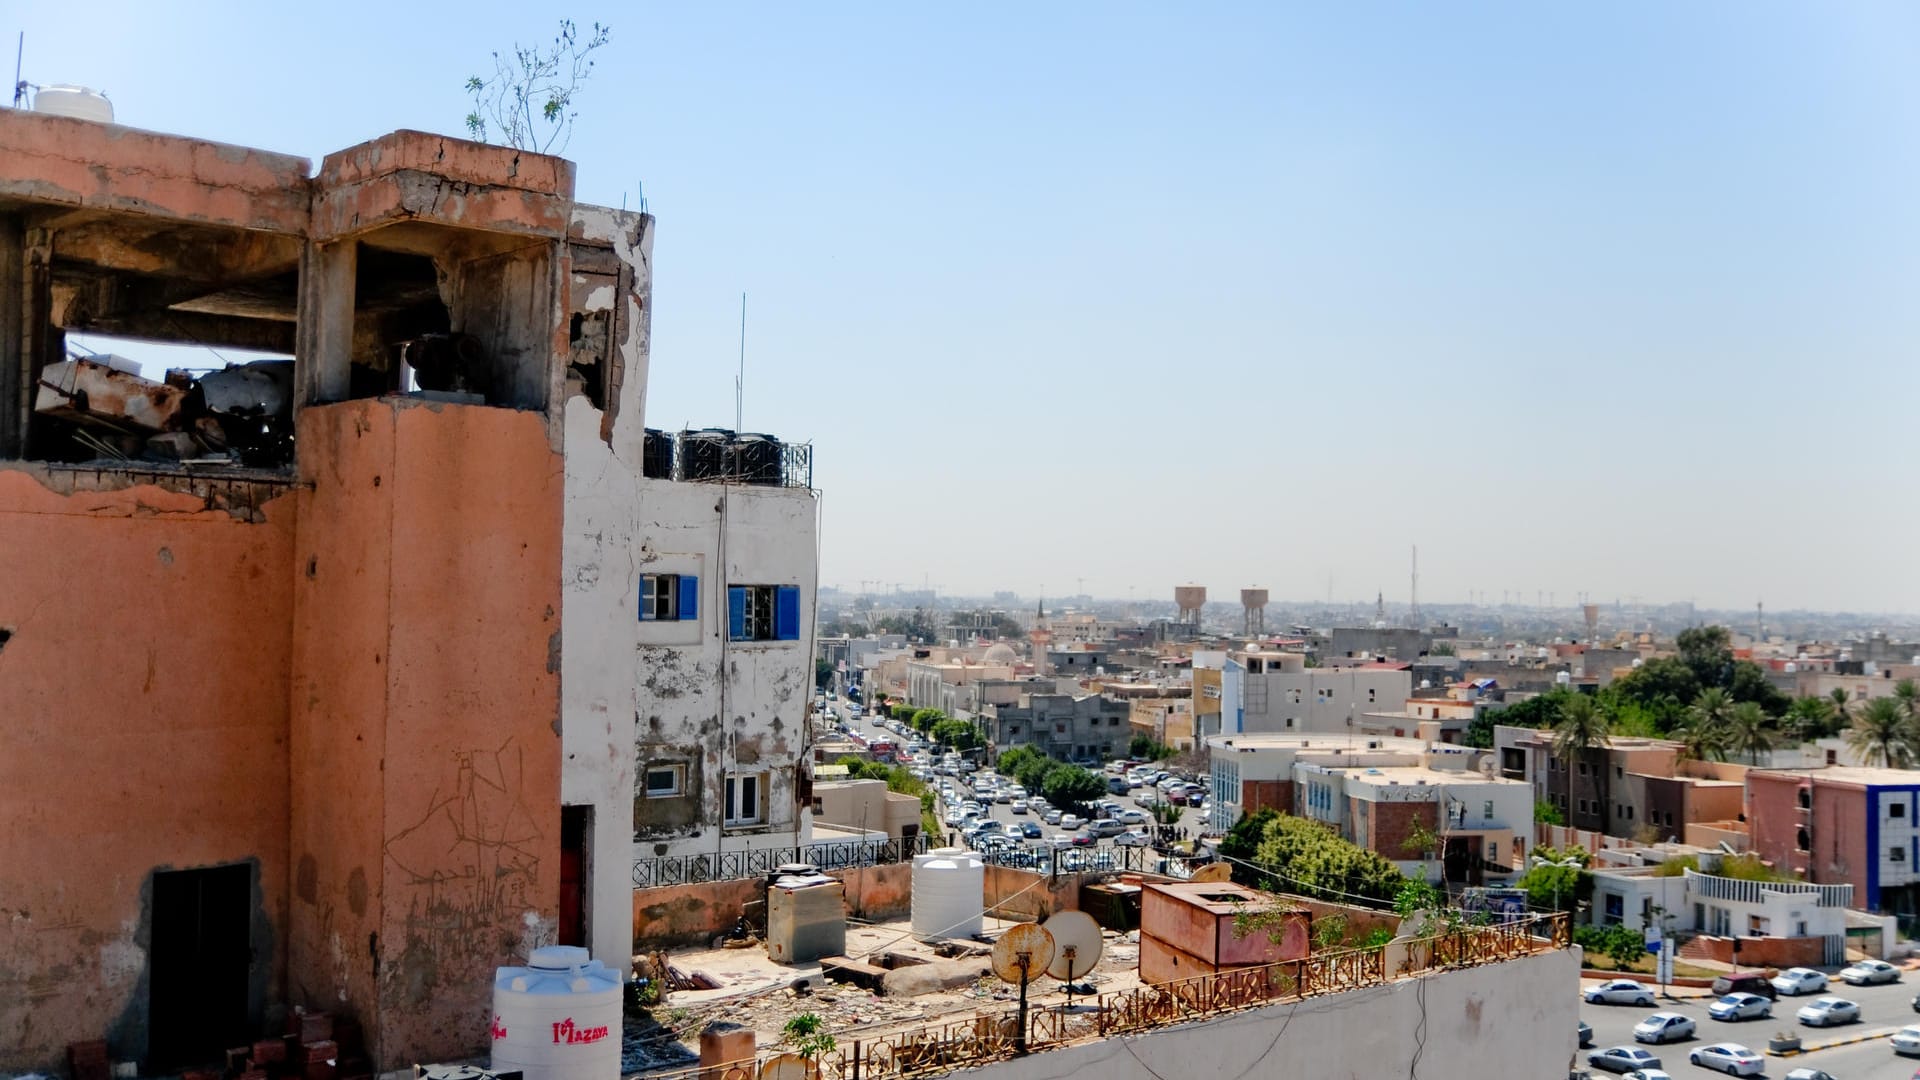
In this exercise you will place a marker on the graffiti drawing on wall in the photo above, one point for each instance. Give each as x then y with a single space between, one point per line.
468 868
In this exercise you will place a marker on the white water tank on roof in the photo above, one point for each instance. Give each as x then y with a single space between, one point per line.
949 893
558 1018
78 102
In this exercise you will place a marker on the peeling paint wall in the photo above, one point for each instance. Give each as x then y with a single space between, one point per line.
710 704
426 713
145 728
598 677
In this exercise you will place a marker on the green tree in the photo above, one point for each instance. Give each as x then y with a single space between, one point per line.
1881 734
924 720
1552 884
1545 813
1071 785
1242 843
1580 728
1811 718
822 673
528 100
1146 749
1540 712
1479 733
958 734
1908 695
1748 683
1311 859
1749 731
1708 653
1664 684
1703 728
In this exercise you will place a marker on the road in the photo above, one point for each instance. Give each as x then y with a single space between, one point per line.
1883 1008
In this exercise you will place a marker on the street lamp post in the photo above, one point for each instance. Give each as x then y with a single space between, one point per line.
1569 862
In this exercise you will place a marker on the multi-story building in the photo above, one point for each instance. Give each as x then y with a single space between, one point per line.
1842 825
1090 728
1391 803
866 806
1591 791
1277 692
1254 772
404 626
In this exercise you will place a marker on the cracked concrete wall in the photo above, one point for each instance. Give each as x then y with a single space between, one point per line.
146 638
599 687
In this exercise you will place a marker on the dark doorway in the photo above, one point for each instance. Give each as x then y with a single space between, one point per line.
199 964
576 827
1459 859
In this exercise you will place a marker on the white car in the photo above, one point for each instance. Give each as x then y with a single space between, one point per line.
1741 1007
1620 992
1132 838
1130 817
1052 817
1060 840
1070 821
1648 1074
1663 1027
1730 1058
1906 1041
1794 981
1866 972
1622 1059
1827 1011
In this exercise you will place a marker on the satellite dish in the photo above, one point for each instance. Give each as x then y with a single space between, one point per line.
789 1067
1023 953
1216 871
1077 944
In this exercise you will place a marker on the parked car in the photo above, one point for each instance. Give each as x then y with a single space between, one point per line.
1622 1059
1796 981
1648 1074
1132 838
1130 817
1809 1074
1745 982
1070 821
1906 1041
1105 827
1741 1007
1018 806
1730 1058
1031 830
1081 839
1051 817
1620 992
1663 1027
1868 972
1060 840
1828 1011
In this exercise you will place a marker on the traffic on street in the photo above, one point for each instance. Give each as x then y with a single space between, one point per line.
1676 1030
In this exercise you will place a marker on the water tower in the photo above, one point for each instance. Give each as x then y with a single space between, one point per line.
1254 603
1592 612
1190 599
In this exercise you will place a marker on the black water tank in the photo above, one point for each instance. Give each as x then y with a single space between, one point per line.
656 455
704 454
756 459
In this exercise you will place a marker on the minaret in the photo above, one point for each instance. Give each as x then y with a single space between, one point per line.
1041 636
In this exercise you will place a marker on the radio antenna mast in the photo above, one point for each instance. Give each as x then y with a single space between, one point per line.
740 380
19 84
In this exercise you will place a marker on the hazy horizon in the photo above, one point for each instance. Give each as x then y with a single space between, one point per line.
1604 300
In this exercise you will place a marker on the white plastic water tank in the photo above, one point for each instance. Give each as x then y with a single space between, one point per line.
558 1018
949 893
78 102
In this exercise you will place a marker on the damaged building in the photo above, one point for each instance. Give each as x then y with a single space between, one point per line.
337 675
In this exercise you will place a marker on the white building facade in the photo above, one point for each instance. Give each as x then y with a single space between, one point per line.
688 617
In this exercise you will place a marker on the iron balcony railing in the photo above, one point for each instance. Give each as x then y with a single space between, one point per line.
761 862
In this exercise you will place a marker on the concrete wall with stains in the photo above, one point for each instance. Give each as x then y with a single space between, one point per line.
599 675
715 706
427 715
144 659
667 916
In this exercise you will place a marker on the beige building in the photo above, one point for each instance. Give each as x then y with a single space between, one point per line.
866 806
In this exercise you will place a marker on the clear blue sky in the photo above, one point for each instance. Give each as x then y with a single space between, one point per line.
1622 299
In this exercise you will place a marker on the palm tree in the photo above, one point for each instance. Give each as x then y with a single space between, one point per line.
1908 696
1881 734
1581 727
1699 740
1842 704
1749 731
1812 718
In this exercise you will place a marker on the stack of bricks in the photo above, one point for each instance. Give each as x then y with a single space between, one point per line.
316 1046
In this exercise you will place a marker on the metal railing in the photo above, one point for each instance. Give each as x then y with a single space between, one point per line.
1715 887
761 862
987 1036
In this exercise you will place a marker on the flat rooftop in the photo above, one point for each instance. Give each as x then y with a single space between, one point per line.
1416 775
1866 776
1359 744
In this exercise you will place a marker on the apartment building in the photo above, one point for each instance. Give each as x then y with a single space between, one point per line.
1389 803
1592 791
1088 728
1842 825
1253 772
1276 692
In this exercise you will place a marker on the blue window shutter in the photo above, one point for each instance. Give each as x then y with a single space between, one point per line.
689 597
737 612
786 613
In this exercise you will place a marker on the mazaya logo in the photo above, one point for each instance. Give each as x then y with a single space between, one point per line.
499 1029
566 1033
